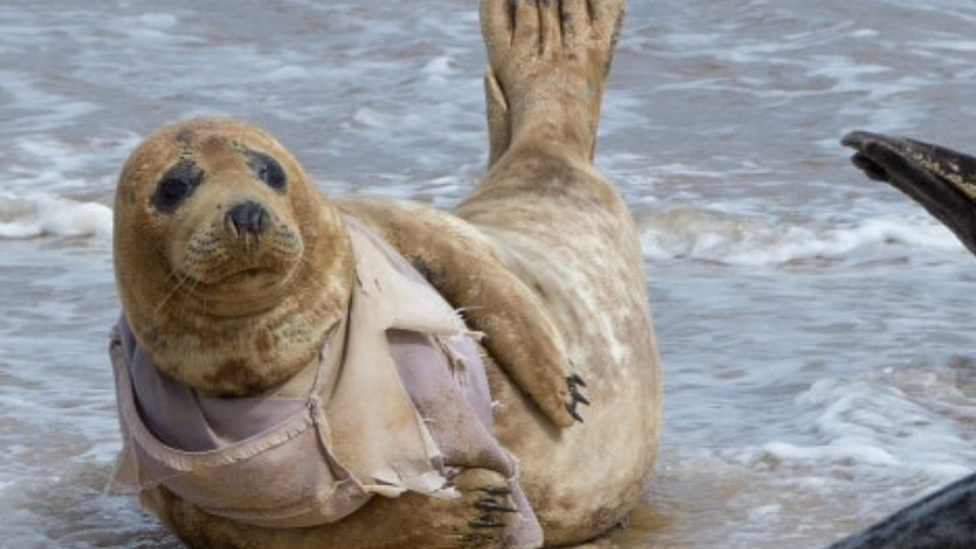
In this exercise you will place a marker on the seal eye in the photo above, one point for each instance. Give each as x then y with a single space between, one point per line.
176 186
269 170
172 191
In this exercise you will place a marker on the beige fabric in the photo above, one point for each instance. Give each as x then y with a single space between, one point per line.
318 448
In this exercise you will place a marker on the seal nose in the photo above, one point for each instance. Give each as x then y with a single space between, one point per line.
248 218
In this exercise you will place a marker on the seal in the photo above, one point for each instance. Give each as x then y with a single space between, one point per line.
943 181
240 282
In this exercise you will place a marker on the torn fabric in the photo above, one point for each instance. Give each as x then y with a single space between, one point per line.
398 402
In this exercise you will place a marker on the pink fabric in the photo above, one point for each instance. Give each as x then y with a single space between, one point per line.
303 461
277 476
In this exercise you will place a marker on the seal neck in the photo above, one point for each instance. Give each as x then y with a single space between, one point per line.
190 420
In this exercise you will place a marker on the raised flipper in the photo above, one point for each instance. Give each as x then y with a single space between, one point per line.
940 179
472 276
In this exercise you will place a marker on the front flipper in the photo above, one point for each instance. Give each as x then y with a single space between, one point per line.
472 276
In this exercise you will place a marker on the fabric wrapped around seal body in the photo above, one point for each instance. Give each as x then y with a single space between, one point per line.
403 357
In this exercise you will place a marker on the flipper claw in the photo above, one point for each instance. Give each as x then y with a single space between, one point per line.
487 521
493 506
496 491
576 398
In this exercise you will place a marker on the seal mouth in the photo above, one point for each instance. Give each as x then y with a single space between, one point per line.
942 180
263 277
243 275
239 293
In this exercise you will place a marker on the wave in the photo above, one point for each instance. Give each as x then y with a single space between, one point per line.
692 233
672 233
41 214
913 420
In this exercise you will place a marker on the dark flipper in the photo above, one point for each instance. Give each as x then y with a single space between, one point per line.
940 179
944 182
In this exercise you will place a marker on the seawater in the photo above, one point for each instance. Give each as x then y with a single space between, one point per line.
816 328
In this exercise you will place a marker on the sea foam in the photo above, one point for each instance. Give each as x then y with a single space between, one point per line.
692 233
41 214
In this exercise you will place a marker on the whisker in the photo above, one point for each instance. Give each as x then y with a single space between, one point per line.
180 282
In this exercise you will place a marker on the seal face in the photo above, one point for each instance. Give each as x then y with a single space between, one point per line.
230 268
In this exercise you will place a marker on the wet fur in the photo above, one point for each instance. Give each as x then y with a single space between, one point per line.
543 255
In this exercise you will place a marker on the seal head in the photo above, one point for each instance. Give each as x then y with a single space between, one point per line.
231 269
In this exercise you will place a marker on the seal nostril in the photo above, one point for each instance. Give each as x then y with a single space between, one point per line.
249 218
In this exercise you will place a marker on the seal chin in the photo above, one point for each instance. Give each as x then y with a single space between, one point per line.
241 293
